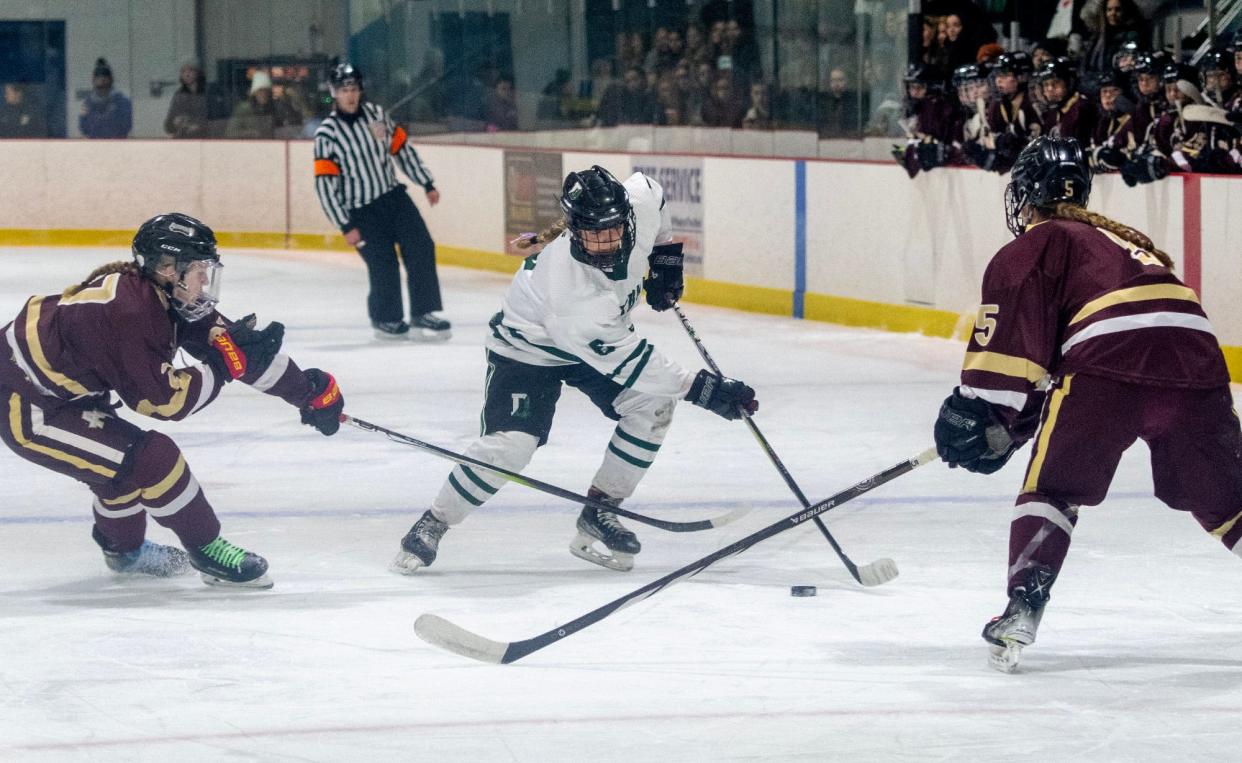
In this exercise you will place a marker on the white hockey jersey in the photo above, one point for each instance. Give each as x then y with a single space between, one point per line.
559 311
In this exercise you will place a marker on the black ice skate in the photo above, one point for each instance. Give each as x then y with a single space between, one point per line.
150 558
430 327
220 563
1012 631
603 526
420 544
391 330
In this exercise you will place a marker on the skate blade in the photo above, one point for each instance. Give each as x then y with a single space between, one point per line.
406 563
583 548
430 337
384 336
1005 658
263 582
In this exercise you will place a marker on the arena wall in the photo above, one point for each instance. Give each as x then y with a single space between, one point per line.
856 243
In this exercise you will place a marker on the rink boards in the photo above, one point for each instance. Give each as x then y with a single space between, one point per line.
856 243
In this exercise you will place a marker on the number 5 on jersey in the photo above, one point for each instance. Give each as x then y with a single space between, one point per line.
985 322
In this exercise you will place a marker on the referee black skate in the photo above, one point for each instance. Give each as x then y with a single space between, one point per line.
355 148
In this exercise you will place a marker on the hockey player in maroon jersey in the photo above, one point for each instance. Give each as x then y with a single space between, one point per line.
928 121
1068 113
1012 119
1150 91
1113 139
1086 341
118 331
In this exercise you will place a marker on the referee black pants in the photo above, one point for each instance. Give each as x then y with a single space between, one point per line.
389 225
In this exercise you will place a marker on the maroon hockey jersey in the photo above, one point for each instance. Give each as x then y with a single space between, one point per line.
1075 118
1066 297
117 334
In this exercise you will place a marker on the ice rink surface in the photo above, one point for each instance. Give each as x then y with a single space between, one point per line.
1139 656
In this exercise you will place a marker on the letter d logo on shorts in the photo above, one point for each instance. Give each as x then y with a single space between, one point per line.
521 406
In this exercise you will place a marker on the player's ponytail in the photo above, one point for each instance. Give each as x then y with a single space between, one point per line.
551 232
1125 232
120 266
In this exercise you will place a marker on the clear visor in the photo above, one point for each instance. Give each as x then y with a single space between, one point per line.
197 289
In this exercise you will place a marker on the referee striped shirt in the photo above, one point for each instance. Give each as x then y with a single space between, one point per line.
352 161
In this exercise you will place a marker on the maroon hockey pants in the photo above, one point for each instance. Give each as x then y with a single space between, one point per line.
1088 422
132 472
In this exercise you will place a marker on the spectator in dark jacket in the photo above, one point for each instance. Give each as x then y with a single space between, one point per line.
19 117
838 108
106 113
629 103
187 114
722 108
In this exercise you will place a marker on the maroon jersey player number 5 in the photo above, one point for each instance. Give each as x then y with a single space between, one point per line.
1085 342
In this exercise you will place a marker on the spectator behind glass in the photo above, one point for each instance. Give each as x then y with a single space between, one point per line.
1113 22
722 108
106 113
187 114
255 118
672 104
838 110
19 116
629 102
759 114
500 106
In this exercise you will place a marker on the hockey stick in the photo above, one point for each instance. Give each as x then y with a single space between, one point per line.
876 573
531 482
447 635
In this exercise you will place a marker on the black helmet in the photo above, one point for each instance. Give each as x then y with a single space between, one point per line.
593 200
180 241
1236 44
920 72
1048 171
1115 78
1128 55
1017 63
1176 72
1058 68
1216 59
969 73
1151 63
344 74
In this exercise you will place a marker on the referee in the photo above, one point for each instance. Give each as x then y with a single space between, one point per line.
354 151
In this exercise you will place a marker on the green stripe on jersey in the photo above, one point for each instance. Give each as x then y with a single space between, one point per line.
637 351
476 479
462 491
554 352
639 368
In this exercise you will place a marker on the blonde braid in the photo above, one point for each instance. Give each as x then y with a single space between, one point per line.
1139 239
120 266
549 233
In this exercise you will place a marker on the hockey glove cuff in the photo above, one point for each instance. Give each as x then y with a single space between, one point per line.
322 410
722 396
664 283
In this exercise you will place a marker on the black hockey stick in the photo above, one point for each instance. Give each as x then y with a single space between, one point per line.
447 635
876 573
531 482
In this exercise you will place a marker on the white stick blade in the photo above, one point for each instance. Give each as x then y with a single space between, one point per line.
439 632
731 517
878 572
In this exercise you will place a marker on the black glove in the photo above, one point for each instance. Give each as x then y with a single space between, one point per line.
1234 116
664 284
1109 158
721 395
243 353
1145 167
322 409
931 155
968 435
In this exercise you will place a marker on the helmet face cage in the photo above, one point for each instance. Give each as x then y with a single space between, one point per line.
1047 172
186 245
596 204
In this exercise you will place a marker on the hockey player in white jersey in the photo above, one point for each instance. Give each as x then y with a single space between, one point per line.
566 320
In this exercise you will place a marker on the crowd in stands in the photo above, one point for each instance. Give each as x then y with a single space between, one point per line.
1134 110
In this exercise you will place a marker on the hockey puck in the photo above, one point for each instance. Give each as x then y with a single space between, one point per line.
802 590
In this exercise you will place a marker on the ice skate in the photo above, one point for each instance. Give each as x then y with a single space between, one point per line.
1014 629
430 327
150 558
595 525
220 563
391 330
420 544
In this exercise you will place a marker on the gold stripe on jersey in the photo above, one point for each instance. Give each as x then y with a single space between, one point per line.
122 499
1045 434
1005 365
98 295
164 485
15 426
1225 528
180 382
33 308
1135 294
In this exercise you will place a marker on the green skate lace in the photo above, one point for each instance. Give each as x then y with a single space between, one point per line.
225 553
